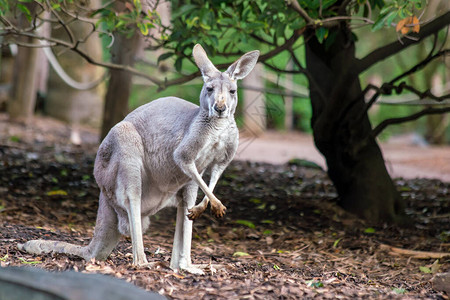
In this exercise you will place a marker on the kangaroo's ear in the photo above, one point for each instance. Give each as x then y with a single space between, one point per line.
244 65
203 63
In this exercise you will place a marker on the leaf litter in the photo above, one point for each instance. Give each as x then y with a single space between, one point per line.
283 236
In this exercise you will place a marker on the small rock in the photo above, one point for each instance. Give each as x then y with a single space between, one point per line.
441 282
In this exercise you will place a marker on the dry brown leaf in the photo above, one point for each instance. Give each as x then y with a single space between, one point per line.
416 24
401 24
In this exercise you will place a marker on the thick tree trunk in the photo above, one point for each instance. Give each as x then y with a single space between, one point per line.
23 92
342 132
119 88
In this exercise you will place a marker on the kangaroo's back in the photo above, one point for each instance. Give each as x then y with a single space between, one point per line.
145 139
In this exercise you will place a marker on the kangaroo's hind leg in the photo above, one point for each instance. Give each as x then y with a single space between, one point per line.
181 251
106 233
128 196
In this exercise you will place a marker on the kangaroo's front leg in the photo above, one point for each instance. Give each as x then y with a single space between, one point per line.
197 210
217 207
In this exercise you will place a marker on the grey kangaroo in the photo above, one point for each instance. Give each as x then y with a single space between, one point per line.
155 158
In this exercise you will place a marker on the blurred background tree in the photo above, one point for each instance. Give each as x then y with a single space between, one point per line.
327 61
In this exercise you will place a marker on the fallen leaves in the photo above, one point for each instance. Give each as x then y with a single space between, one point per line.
301 244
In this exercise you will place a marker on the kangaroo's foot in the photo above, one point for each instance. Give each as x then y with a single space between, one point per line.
218 209
196 211
193 269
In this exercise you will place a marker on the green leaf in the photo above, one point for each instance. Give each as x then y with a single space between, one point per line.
14 139
399 291
382 20
276 267
165 56
239 254
385 9
22 260
267 232
143 28
57 193
336 242
267 222
255 200
179 64
184 10
425 270
314 283
391 18
249 224
321 34
369 230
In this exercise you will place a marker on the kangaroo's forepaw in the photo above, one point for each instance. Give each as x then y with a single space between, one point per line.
218 209
195 212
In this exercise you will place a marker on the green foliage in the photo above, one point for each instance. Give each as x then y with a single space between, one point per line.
127 21
227 26
249 224
400 291
369 230
314 283
396 9
108 18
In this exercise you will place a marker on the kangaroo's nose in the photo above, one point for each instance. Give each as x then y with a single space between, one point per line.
219 109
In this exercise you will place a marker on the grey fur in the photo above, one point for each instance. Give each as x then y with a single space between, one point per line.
154 158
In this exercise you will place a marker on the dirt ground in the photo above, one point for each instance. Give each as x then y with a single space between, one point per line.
283 236
403 155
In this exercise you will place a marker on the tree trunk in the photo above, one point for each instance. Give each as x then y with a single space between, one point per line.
119 88
342 131
23 92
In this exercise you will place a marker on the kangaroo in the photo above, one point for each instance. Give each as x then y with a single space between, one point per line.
155 158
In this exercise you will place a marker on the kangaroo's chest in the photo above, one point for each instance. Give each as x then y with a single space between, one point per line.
215 148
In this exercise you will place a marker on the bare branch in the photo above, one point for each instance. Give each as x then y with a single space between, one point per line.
397 46
278 70
288 44
63 24
427 111
422 64
294 4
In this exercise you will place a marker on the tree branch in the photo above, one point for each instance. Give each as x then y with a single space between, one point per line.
294 4
397 46
427 111
421 64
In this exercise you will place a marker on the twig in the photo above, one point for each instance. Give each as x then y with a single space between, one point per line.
415 253
427 111
294 4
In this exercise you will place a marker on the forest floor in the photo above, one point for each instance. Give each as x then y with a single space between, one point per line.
283 236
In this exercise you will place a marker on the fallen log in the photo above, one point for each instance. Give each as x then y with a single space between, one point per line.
415 253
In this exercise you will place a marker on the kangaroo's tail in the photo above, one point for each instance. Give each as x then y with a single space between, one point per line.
106 237
42 246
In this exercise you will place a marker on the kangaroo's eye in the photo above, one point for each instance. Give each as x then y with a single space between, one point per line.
232 92
209 89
